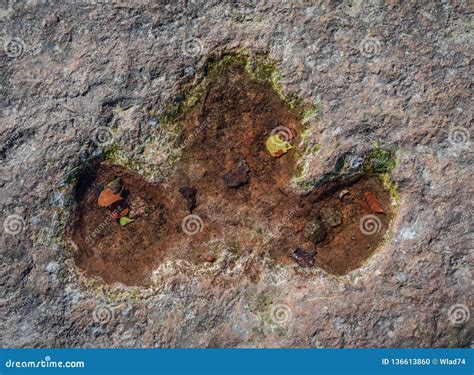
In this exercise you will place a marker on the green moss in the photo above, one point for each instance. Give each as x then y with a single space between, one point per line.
218 65
264 70
112 151
259 67
192 93
379 161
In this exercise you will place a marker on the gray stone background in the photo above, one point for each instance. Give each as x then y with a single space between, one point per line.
397 74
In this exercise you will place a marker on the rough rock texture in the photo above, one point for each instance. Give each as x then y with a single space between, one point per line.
380 72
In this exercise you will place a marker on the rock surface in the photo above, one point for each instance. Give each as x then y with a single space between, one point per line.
238 176
304 258
387 73
331 216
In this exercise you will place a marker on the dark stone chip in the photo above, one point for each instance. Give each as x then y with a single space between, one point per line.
189 194
304 258
238 176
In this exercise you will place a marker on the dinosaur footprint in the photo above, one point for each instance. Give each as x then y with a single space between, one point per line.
228 184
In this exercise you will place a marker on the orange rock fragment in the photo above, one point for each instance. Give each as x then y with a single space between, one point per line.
107 198
373 203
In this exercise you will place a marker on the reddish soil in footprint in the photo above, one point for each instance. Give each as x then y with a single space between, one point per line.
236 192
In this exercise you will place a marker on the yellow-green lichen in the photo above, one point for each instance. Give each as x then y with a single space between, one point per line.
391 187
259 67
310 114
115 155
382 162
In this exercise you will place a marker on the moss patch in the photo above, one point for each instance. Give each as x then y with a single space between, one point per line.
379 161
260 67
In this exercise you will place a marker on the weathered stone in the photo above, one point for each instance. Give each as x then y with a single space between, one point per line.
238 176
331 216
403 81
316 231
304 258
115 186
138 207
